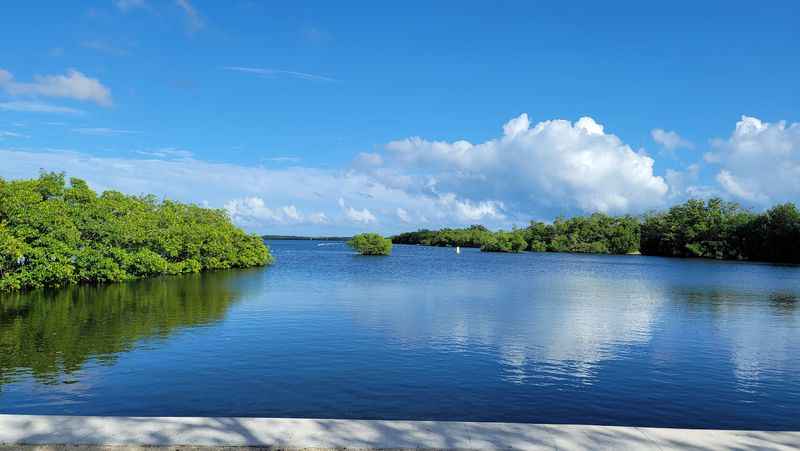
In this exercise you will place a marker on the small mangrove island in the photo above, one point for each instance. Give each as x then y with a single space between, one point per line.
371 244
709 229
54 233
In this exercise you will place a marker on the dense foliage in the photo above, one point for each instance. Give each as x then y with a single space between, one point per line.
53 234
597 233
371 244
718 229
505 242
474 236
710 229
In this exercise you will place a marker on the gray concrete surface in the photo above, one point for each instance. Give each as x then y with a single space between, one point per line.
51 433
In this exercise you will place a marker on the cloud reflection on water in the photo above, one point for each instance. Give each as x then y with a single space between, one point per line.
565 326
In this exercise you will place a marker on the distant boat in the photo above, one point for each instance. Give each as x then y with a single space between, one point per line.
458 249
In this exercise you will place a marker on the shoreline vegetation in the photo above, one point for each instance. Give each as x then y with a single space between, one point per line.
371 244
707 229
54 233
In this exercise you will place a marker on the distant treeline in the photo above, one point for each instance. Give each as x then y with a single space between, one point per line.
54 233
309 238
597 233
711 229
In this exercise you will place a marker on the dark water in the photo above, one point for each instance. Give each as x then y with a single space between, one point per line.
423 334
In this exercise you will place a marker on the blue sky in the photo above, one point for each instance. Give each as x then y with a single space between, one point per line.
321 117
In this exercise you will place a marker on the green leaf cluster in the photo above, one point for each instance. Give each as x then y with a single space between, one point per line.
597 233
505 242
54 233
473 236
723 230
371 244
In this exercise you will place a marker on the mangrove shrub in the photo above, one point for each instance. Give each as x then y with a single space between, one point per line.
54 234
723 230
505 242
371 244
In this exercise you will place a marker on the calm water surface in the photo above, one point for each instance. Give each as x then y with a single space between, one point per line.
423 334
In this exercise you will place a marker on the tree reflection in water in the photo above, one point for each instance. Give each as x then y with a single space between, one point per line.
52 333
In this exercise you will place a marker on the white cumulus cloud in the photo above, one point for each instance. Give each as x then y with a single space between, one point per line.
686 184
471 211
556 165
362 216
253 211
760 162
403 215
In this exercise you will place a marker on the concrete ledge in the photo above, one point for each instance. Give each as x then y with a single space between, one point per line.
196 433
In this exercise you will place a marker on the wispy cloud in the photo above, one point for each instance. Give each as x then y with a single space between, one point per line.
670 140
37 107
195 20
367 160
267 72
284 159
71 85
103 131
127 5
167 153
104 47
7 134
